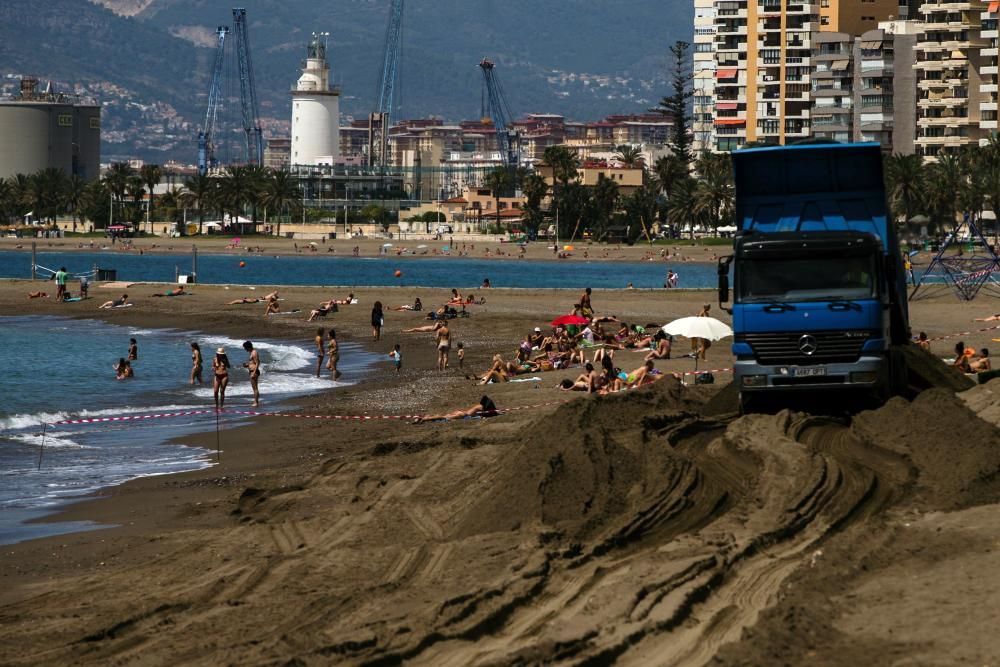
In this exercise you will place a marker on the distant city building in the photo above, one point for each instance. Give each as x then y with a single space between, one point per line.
956 74
315 111
277 153
762 54
864 88
45 129
703 83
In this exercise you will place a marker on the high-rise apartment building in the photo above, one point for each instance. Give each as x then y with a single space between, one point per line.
953 66
864 88
763 62
703 83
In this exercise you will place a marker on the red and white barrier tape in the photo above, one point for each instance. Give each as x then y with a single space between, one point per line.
255 413
707 370
964 333
127 418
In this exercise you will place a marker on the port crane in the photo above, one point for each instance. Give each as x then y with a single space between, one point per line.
379 119
253 152
497 110
206 136
248 90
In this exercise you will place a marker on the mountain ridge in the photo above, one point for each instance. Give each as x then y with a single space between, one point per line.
578 58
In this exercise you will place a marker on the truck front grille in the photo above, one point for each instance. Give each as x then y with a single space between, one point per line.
827 347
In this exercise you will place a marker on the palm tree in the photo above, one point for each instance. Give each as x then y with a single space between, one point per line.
199 189
535 188
497 181
281 193
905 182
235 190
684 205
946 186
630 156
74 189
116 179
669 170
151 175
565 165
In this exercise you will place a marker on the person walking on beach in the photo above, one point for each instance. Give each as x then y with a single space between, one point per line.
220 369
443 339
133 350
60 277
586 309
320 352
378 319
196 363
252 365
333 350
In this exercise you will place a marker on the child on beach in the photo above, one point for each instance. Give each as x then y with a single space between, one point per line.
397 357
461 355
378 320
123 369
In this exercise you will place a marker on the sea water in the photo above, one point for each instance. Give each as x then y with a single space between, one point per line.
460 272
58 369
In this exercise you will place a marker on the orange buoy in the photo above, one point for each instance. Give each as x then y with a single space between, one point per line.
398 274
242 264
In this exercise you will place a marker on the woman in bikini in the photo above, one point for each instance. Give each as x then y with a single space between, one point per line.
220 369
196 363
320 352
333 349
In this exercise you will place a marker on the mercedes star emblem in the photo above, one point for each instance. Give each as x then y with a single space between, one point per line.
807 345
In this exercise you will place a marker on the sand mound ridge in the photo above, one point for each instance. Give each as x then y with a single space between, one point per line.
630 527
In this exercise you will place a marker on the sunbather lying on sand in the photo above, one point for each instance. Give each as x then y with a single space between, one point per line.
425 328
117 303
173 292
484 408
991 318
38 295
245 299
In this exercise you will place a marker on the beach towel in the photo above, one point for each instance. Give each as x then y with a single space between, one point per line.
124 305
288 312
533 379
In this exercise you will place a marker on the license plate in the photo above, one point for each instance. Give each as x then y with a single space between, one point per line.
808 372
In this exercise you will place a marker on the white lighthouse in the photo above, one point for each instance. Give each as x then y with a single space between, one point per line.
315 110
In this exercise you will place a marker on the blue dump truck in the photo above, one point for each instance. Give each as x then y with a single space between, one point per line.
819 294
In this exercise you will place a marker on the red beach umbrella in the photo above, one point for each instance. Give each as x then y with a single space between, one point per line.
564 320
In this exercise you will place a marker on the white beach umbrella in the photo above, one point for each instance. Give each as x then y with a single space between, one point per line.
386 245
708 328
698 327
421 247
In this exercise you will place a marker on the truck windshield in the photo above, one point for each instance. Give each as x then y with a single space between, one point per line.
806 279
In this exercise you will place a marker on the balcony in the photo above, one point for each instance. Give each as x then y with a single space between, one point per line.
988 124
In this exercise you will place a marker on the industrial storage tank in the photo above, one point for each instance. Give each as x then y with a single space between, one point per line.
44 130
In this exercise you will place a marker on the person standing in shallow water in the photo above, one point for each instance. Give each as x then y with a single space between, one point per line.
220 371
253 367
333 351
133 350
320 353
378 319
196 363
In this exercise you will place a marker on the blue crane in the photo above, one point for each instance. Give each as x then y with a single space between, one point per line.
206 138
379 120
248 91
497 110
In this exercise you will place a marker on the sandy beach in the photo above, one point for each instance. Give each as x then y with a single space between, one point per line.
649 527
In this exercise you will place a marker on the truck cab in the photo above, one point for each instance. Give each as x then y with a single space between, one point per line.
819 296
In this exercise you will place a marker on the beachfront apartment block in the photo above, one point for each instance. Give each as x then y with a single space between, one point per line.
956 75
863 87
762 52
703 81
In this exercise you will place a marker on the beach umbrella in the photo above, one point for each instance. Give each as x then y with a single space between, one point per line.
313 243
708 328
698 327
567 248
565 320
236 240
421 247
